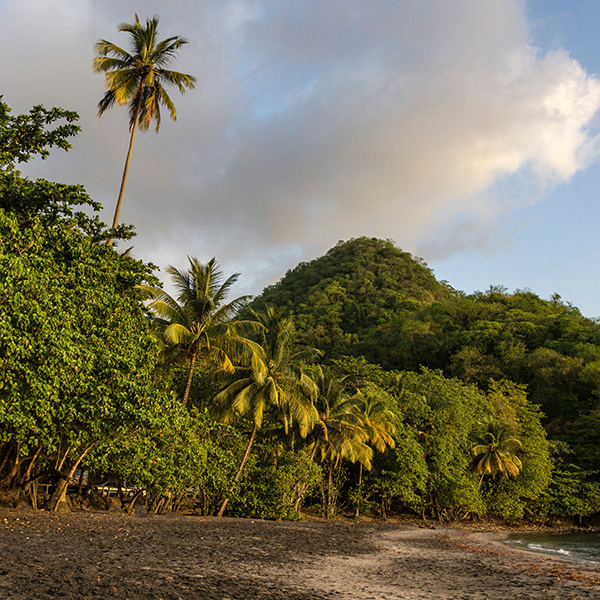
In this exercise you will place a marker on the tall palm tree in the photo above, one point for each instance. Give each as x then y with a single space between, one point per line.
495 451
271 380
138 79
199 322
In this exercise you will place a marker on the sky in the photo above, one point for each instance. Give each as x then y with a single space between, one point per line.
467 131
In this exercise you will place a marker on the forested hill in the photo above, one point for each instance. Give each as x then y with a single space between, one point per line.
342 298
366 298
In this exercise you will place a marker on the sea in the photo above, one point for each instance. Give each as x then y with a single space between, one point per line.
580 547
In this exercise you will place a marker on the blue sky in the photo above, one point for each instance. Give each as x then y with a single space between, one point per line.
464 130
554 245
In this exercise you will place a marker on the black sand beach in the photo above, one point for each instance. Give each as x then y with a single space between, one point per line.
87 555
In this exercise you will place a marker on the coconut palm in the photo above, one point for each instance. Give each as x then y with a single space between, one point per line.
271 380
339 433
495 450
198 323
377 421
138 79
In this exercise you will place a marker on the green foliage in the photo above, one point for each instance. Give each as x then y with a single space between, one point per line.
342 300
198 323
572 493
373 308
76 353
276 491
270 378
139 79
513 497
496 451
399 478
24 136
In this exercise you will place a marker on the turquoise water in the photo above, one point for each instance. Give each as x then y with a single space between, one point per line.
581 547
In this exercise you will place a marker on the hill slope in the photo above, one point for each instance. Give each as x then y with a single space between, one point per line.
367 298
341 299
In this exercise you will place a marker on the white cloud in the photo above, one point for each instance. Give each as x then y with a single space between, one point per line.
315 121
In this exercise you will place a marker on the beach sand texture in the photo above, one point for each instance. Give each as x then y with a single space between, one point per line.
93 555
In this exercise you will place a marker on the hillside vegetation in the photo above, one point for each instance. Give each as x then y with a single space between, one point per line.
356 384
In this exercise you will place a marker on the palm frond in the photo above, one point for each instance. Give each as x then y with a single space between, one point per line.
104 49
182 81
177 334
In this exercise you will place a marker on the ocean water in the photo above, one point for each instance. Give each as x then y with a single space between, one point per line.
581 547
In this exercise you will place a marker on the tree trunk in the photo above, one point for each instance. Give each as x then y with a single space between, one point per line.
58 500
314 451
188 384
29 483
80 483
130 506
125 171
360 471
12 473
328 511
8 448
239 473
27 476
33 487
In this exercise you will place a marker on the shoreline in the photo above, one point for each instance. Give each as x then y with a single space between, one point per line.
91 555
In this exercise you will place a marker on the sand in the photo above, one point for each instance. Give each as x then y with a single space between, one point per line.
94 555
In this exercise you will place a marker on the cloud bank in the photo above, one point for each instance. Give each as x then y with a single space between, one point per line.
314 121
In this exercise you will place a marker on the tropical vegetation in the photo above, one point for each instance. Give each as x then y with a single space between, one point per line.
357 384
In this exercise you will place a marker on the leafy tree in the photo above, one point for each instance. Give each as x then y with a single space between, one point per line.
276 482
399 477
338 433
377 421
138 79
76 354
198 323
514 497
444 413
24 136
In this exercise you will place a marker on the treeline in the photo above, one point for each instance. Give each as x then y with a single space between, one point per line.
358 383
409 321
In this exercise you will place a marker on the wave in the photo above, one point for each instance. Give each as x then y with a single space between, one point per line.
577 547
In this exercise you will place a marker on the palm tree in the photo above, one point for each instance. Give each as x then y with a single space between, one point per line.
377 422
339 433
495 451
271 380
199 322
138 79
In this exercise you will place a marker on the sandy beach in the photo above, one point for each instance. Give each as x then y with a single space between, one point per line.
94 555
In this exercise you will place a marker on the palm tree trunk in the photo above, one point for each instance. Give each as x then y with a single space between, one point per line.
329 510
239 473
188 384
125 170
360 472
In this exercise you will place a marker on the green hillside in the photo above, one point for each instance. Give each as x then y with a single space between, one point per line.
366 298
343 300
